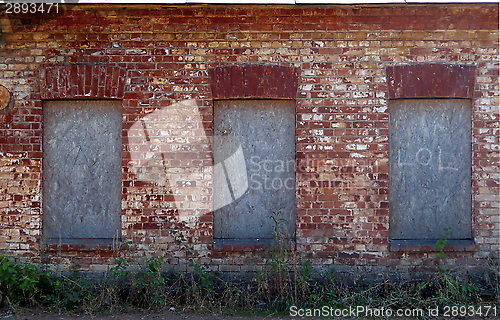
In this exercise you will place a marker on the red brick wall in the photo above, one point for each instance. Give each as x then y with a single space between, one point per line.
342 52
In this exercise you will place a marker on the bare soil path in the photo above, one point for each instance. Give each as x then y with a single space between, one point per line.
29 315
166 315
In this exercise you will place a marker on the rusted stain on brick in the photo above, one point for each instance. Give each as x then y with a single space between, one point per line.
82 81
431 80
254 81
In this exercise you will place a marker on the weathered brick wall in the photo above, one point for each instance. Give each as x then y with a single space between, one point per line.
342 53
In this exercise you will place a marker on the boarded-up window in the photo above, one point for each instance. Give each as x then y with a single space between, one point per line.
82 171
430 169
254 169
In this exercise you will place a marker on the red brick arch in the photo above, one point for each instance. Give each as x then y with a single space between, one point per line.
82 81
254 81
430 80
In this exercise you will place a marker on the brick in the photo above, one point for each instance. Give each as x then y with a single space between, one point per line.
176 60
78 81
254 82
430 80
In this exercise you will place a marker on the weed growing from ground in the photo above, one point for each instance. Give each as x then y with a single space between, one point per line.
19 283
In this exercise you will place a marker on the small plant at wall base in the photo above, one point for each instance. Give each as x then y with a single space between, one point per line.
447 287
440 243
283 280
67 293
19 283
181 241
148 284
274 279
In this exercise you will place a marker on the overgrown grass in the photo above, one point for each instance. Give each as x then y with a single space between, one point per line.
272 291
282 282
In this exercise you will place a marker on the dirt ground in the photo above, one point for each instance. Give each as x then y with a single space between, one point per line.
166 315
169 315
30 315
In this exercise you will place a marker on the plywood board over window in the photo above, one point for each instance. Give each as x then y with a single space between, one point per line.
430 169
82 171
254 170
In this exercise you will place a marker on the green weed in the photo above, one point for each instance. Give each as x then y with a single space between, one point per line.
19 283
282 282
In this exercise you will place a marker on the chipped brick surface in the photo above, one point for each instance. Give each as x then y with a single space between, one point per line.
254 81
82 81
431 80
340 63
